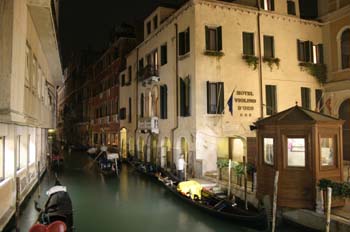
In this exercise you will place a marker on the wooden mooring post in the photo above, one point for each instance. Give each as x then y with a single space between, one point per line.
329 204
274 207
245 182
229 178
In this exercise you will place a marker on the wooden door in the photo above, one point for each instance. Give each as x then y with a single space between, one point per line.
296 188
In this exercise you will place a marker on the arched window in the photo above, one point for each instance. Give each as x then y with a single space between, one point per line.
345 49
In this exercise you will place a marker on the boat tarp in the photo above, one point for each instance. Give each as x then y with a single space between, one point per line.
190 187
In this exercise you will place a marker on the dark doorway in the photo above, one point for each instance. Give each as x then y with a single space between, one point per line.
344 113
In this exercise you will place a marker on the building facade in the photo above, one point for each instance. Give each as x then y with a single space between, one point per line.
208 70
335 15
30 70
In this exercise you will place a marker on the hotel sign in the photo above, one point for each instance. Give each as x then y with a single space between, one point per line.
245 101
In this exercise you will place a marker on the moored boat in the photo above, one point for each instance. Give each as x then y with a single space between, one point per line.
222 208
57 213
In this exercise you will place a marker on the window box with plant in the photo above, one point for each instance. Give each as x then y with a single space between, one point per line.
248 50
269 52
340 191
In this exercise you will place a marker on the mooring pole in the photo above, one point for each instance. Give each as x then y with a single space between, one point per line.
274 209
329 203
245 182
229 178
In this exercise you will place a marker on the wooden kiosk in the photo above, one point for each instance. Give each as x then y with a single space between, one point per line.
304 146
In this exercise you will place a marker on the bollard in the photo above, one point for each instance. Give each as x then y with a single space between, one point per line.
329 203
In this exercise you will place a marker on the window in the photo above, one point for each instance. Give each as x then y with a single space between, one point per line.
345 49
248 43
308 52
123 81
129 76
215 97
163 102
291 7
155 22
163 54
268 151
327 145
148 26
267 4
319 100
296 152
213 38
142 105
27 67
141 64
269 47
129 116
305 97
2 158
271 99
184 42
185 97
122 113
18 153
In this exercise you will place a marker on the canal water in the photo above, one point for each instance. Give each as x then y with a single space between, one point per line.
130 202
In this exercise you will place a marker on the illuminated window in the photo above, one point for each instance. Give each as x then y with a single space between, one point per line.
296 152
308 52
2 158
327 147
268 151
268 4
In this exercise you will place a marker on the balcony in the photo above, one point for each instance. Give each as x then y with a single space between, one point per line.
149 124
149 74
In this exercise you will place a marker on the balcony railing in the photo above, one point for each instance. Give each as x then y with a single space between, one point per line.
149 73
149 124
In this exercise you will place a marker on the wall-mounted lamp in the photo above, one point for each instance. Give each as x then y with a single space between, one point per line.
253 127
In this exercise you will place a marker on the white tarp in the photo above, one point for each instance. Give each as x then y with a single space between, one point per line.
56 189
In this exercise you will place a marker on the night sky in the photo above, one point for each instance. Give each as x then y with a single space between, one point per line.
86 23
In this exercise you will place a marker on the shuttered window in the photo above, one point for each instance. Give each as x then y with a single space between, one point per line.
184 42
291 7
248 43
305 97
269 46
130 110
213 38
271 99
308 52
142 105
319 100
267 4
163 102
185 97
215 97
163 54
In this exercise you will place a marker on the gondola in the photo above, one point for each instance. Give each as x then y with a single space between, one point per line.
222 208
57 213
109 164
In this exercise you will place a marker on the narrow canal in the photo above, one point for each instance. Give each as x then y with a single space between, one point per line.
129 202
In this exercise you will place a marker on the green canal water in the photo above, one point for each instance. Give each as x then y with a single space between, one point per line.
129 202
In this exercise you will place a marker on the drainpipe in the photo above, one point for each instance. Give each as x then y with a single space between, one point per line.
177 93
137 101
260 62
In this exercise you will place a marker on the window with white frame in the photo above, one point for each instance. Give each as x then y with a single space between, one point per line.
296 152
268 151
2 158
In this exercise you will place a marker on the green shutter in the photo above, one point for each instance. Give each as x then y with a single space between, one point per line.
182 97
208 97
181 43
165 99
187 40
320 59
219 38
272 5
221 96
207 38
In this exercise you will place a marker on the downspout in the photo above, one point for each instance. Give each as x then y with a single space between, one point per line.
177 93
260 62
137 101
